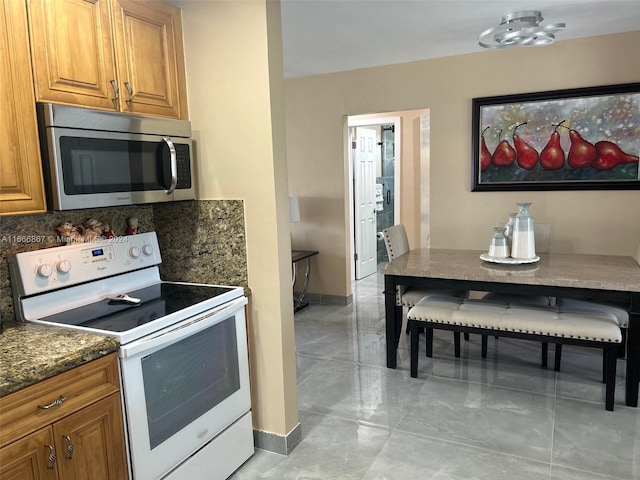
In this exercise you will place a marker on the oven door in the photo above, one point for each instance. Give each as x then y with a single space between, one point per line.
184 385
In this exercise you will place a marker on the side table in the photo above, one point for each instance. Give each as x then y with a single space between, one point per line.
296 256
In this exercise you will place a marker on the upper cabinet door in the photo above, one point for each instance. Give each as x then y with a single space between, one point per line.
72 52
150 58
21 187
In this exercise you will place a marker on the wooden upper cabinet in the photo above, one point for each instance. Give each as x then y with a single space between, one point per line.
150 58
21 186
72 52
121 55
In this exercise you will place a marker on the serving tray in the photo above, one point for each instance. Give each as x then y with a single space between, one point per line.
508 260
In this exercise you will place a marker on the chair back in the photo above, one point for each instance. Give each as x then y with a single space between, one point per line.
396 241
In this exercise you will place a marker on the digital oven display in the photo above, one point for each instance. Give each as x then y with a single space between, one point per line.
98 255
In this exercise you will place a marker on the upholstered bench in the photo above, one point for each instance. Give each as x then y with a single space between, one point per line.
543 324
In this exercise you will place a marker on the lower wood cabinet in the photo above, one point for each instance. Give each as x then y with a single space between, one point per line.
80 443
28 458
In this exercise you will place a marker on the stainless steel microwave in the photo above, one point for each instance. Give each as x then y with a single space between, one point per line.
94 158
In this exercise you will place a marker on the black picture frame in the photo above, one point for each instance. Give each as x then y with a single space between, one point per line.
605 117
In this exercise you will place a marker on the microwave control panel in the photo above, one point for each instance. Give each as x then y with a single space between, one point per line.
183 164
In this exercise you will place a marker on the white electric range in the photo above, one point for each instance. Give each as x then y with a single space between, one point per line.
183 354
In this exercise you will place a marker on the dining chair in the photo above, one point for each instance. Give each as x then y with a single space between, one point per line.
397 244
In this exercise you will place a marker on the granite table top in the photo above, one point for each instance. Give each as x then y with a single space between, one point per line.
30 353
606 272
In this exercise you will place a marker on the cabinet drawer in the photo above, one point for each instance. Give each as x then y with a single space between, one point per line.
21 412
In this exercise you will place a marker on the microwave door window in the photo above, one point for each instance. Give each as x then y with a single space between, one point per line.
94 165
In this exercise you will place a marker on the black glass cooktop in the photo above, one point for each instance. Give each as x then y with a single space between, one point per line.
156 301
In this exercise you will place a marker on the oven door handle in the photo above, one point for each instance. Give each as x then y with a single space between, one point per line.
186 328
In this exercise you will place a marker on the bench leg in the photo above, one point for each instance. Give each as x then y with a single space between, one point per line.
466 336
611 356
429 337
558 358
456 344
413 327
485 341
623 345
545 354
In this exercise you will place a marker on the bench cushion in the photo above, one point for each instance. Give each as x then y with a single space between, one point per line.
409 296
574 305
548 321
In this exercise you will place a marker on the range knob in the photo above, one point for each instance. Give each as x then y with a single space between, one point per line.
63 266
147 249
134 252
44 270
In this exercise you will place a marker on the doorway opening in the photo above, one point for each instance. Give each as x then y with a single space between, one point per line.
374 170
378 150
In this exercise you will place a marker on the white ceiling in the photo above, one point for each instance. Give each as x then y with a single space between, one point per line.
323 36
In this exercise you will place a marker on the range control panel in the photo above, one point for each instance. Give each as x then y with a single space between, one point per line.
53 268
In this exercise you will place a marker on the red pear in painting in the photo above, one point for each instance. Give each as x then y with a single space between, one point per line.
581 153
610 155
552 155
526 155
485 155
505 155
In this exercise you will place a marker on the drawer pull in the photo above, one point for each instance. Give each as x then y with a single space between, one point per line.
55 403
70 447
51 457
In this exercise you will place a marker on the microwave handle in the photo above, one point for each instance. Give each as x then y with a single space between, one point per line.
174 165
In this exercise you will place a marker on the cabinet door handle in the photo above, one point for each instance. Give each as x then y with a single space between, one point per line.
70 447
51 457
129 91
56 403
116 90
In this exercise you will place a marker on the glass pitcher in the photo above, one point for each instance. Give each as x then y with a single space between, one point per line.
523 240
499 247
508 228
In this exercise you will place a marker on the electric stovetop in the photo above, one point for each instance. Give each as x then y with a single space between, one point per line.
156 301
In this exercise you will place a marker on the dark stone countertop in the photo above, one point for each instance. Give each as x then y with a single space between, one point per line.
30 353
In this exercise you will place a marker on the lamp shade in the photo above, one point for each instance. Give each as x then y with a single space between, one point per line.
294 209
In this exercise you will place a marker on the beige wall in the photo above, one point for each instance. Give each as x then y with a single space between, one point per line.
234 75
605 222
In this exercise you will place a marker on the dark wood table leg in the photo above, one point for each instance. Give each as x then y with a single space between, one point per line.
393 326
633 353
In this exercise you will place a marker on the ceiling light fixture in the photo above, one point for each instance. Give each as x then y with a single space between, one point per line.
520 29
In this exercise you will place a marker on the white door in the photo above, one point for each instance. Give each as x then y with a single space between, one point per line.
364 181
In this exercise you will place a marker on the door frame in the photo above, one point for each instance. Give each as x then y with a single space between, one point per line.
365 121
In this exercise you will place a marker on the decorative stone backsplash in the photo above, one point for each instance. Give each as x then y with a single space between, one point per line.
200 241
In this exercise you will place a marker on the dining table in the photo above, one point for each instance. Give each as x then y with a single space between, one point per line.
612 279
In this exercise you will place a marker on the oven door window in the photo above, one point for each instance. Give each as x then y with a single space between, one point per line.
188 378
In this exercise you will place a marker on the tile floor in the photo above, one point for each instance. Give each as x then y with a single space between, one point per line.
462 419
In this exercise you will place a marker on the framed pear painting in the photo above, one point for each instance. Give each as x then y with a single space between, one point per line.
578 139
